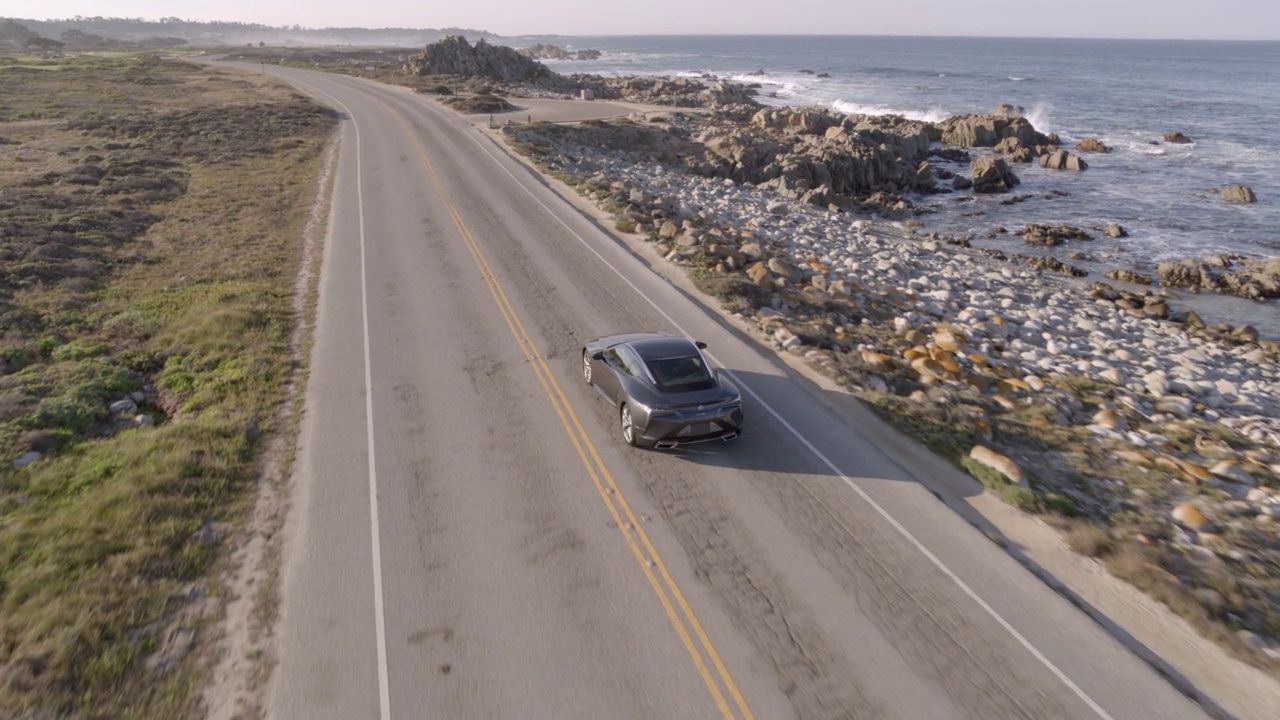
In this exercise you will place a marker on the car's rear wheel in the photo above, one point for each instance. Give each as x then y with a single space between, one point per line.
586 367
628 427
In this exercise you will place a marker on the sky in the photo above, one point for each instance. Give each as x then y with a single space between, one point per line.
1185 19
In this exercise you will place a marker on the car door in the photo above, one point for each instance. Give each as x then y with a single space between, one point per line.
606 374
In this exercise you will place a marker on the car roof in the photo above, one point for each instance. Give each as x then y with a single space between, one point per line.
662 347
609 341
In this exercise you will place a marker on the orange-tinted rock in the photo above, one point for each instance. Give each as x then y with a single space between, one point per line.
875 359
1190 515
1002 464
928 368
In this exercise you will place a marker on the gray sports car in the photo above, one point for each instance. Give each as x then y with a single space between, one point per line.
665 391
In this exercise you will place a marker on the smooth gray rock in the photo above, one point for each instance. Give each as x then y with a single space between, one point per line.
123 407
26 459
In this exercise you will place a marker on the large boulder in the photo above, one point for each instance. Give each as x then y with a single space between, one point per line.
1002 464
1063 160
1115 230
988 130
1177 138
991 174
455 56
1239 194
1014 149
1051 235
1092 145
723 93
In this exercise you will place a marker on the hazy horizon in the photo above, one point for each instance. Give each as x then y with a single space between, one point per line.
1087 19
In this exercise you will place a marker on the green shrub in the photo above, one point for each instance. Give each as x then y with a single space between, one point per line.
78 351
13 358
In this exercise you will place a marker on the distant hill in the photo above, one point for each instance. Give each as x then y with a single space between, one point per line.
102 33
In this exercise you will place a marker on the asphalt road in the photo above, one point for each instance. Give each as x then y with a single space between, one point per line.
470 537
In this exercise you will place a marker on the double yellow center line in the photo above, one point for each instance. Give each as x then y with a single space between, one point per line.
677 608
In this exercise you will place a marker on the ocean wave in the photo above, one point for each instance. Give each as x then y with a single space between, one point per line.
1041 118
852 108
1016 79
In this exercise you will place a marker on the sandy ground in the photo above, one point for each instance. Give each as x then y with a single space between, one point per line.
1224 686
244 650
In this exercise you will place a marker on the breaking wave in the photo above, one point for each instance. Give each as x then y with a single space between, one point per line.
934 115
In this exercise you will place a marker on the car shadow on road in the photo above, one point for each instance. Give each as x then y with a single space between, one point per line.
768 444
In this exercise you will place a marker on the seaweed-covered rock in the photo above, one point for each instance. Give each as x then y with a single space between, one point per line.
1050 235
1239 194
1092 145
1228 274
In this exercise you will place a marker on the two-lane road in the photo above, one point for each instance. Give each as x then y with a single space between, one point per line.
470 538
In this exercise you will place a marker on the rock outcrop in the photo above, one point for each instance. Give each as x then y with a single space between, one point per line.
1177 138
1051 235
555 52
991 174
819 156
455 56
989 130
1239 194
681 92
1092 145
1063 160
1229 274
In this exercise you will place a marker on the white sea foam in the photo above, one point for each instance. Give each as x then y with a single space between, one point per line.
1040 116
851 108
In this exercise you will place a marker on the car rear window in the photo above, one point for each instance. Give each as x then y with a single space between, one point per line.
681 374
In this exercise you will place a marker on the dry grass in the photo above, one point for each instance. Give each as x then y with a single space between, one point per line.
1089 540
187 191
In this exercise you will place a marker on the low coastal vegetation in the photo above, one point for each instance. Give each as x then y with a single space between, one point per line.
151 217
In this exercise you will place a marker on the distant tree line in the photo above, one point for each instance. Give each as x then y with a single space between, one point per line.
108 33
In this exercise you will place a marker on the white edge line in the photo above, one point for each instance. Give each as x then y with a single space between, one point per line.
817 453
380 621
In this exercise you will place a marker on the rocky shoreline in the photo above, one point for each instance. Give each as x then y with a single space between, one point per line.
1164 437
1150 436
858 162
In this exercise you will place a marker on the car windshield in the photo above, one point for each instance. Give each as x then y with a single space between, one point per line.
681 374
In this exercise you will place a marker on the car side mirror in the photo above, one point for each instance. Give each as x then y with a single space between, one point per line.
701 345
598 356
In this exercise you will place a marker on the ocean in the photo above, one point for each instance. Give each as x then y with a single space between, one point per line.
1225 96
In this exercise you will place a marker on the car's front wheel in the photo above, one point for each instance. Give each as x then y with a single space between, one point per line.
628 427
586 367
